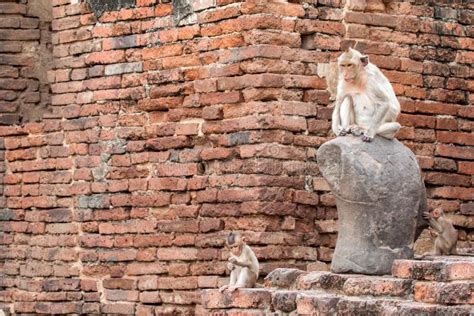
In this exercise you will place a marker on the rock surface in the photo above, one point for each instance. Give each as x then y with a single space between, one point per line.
380 197
282 277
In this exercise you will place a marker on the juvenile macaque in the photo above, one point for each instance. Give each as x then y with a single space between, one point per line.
365 103
243 263
331 73
446 234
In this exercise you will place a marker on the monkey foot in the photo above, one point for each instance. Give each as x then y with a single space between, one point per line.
367 139
343 132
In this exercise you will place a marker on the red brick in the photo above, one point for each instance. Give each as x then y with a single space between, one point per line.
163 9
150 297
181 61
454 151
453 192
160 103
377 286
119 308
220 97
248 298
170 254
184 283
455 138
466 167
146 268
445 293
105 57
121 295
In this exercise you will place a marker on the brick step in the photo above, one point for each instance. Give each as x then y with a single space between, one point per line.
347 284
447 268
277 302
236 312
377 286
310 304
455 292
241 298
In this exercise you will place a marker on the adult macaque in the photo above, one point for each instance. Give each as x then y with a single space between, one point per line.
365 103
331 73
243 263
446 235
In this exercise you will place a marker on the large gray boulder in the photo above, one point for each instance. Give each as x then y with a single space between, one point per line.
380 199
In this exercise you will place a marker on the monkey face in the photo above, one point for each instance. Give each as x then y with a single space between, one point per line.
348 71
351 63
235 249
436 213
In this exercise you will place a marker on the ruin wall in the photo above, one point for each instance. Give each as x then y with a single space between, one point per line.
161 126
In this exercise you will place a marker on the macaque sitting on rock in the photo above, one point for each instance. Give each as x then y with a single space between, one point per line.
243 263
446 235
366 103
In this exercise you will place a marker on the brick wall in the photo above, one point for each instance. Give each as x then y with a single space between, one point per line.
25 58
160 138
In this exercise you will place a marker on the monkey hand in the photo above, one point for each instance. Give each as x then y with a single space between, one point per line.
232 260
367 137
427 215
223 288
230 266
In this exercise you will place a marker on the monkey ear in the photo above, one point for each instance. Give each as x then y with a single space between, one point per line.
364 60
244 239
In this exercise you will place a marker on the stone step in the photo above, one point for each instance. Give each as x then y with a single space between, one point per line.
455 292
446 268
348 284
416 309
310 304
280 302
240 298
322 280
237 312
377 286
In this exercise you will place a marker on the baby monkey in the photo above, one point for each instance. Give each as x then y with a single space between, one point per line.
243 263
446 234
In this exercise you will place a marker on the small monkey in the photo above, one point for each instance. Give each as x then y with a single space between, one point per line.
243 263
331 73
365 102
446 234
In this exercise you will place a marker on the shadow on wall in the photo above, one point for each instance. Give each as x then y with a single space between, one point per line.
100 6
27 56
181 8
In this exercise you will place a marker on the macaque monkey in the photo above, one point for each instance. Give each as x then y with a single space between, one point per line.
365 103
243 263
446 234
331 73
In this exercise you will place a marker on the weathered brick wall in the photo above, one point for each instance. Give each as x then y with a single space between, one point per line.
163 137
25 58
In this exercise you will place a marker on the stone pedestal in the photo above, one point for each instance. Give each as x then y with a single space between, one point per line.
380 198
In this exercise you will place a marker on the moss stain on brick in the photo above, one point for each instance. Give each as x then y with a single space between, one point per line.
100 6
